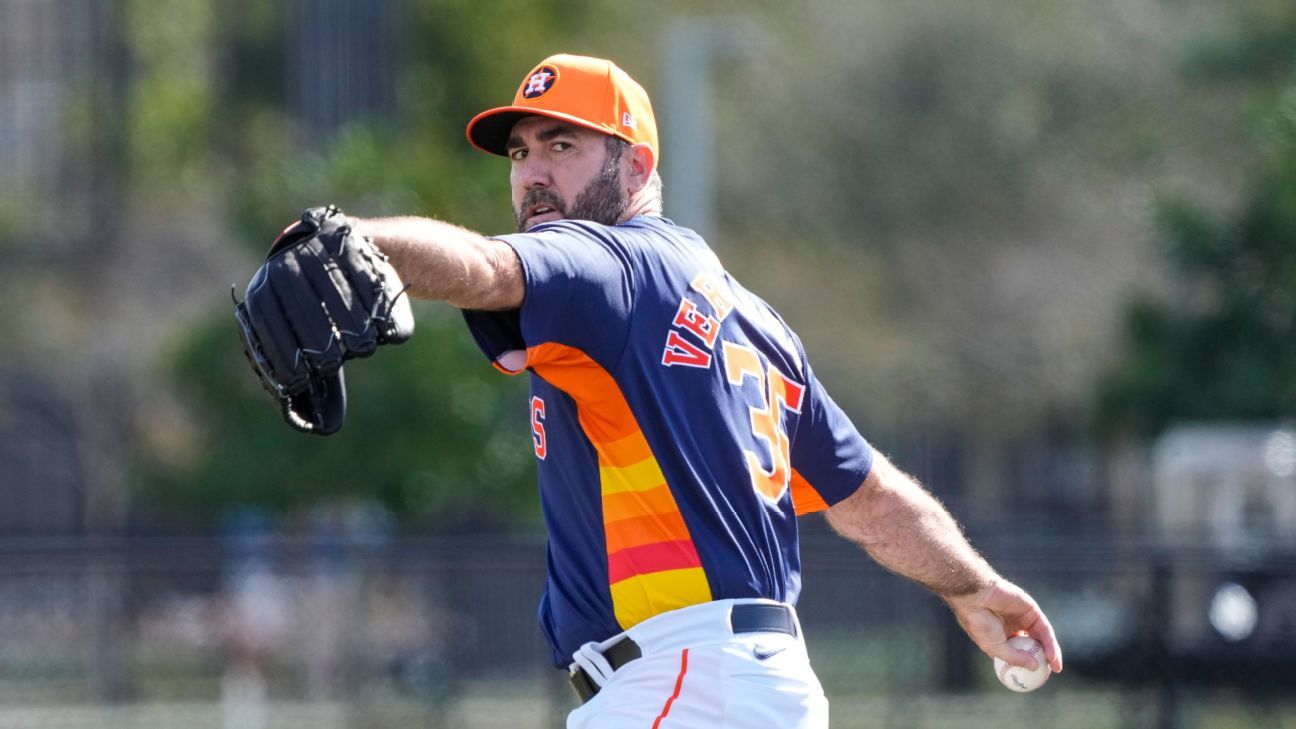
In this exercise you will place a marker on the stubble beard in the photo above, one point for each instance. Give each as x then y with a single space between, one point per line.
602 201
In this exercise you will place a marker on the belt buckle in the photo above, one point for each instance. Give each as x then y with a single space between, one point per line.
582 684
617 656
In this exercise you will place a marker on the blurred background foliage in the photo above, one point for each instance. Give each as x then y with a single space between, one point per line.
1042 253
1221 342
433 433
1023 243
1000 229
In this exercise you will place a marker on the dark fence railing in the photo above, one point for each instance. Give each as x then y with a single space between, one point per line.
418 631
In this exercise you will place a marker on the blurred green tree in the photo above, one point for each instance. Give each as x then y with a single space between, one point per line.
1222 344
432 432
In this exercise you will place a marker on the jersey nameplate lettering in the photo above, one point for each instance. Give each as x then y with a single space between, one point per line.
690 319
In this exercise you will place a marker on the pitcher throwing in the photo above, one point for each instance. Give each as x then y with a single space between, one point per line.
678 429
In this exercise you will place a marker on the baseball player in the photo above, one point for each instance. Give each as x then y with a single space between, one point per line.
678 429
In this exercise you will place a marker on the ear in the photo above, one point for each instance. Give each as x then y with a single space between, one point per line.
637 166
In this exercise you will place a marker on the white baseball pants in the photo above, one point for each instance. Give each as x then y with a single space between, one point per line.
695 673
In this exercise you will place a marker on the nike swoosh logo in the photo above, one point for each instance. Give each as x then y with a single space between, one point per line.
762 654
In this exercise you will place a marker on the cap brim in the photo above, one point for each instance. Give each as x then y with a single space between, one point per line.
489 131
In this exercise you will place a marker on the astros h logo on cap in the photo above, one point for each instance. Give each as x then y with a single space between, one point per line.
539 82
590 92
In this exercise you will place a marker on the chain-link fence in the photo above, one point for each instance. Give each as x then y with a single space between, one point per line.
441 632
266 632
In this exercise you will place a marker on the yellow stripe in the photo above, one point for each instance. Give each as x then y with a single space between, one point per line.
643 596
642 476
627 467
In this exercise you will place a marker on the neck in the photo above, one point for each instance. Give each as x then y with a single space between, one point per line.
647 200
635 209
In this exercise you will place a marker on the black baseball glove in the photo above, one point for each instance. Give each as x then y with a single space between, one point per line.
324 295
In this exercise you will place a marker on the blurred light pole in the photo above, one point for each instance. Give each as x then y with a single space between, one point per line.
689 49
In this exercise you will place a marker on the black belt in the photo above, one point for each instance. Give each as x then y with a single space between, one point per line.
744 618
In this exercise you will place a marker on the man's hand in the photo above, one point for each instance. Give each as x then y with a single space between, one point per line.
993 615
906 530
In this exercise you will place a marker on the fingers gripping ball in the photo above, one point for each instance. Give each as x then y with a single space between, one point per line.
324 295
1022 679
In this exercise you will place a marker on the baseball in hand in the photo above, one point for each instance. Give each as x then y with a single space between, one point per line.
1023 679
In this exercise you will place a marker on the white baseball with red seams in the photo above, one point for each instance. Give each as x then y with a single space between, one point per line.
1022 679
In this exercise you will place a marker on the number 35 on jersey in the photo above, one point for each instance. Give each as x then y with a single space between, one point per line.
775 391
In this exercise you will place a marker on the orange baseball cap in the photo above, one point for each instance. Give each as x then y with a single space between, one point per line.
589 92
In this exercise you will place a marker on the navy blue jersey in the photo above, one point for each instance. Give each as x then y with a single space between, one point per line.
678 428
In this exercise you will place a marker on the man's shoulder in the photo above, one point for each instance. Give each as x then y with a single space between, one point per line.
658 235
644 236
661 226
636 226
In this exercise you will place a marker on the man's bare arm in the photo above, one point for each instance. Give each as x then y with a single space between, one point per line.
447 263
905 529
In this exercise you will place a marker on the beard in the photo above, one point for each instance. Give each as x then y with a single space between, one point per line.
602 201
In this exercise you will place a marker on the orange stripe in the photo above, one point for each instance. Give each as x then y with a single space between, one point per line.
627 451
604 413
679 684
629 504
805 498
639 508
647 529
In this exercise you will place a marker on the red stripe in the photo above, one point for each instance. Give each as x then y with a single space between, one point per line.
651 558
679 684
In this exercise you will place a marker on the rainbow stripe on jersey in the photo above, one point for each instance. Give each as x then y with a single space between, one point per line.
678 429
